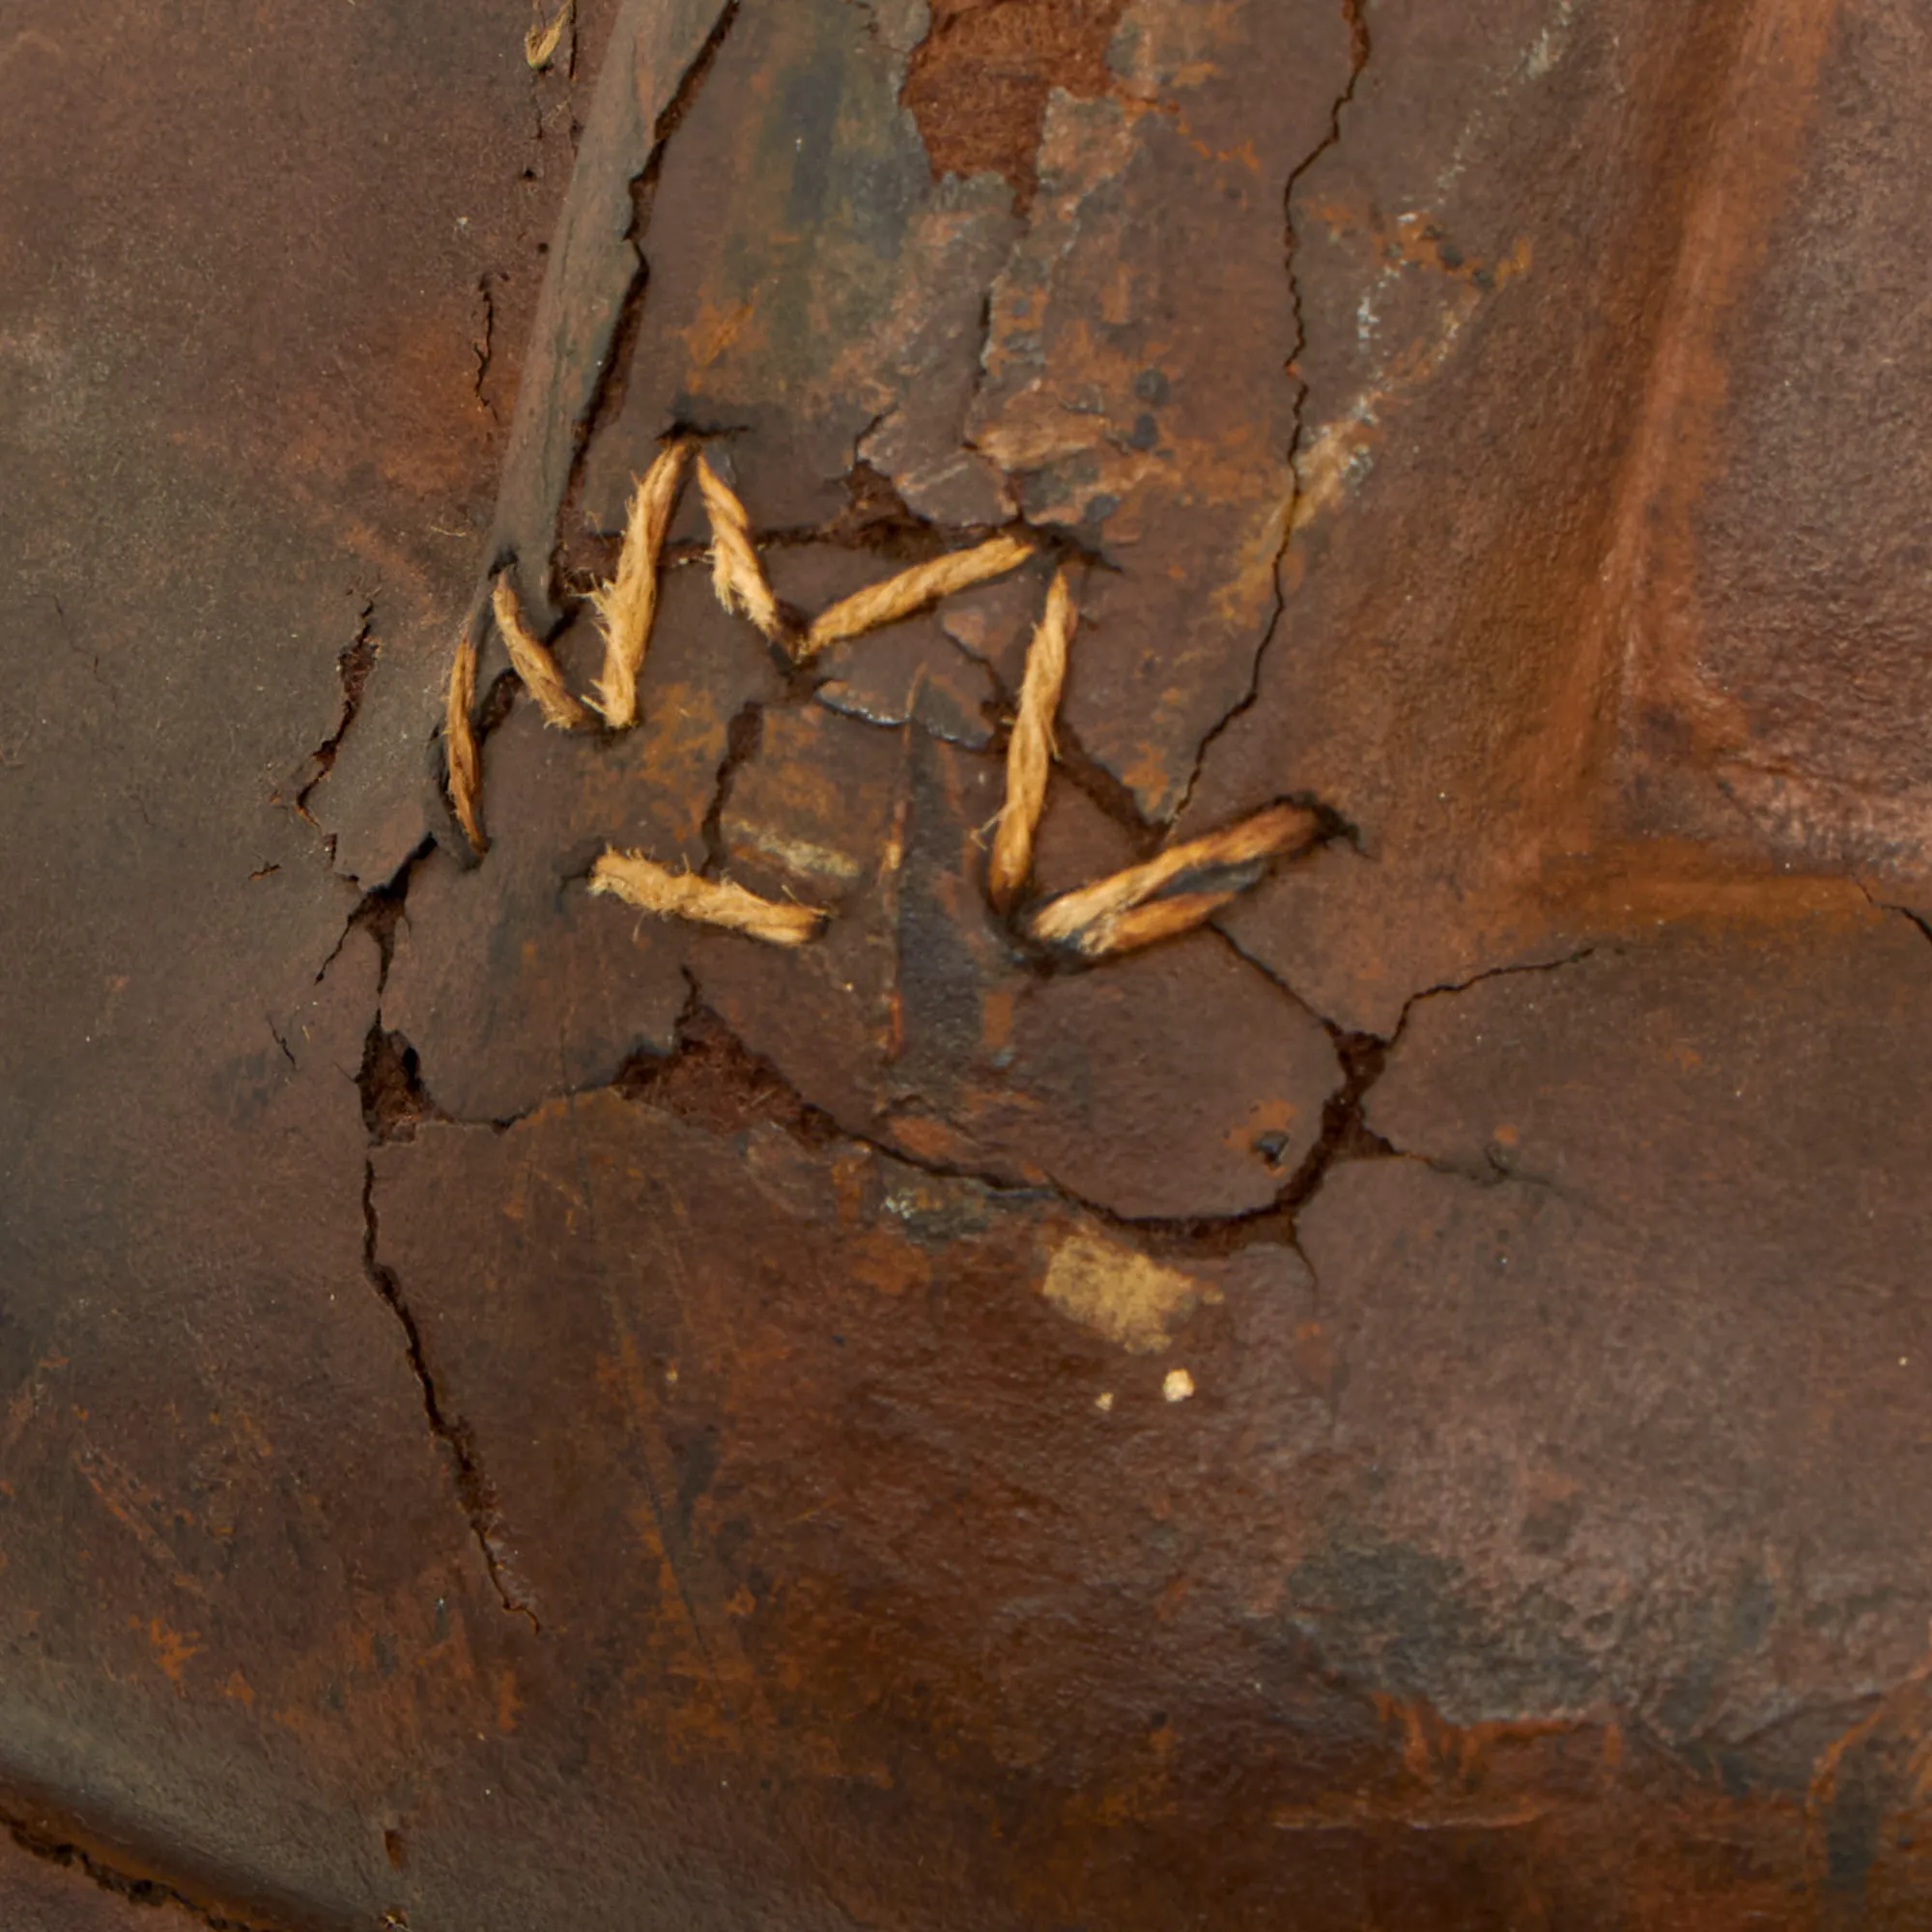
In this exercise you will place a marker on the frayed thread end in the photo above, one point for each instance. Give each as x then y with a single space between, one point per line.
737 577
541 42
652 887
1176 891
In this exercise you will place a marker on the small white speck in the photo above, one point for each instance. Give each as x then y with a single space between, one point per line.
1177 1386
1901 1361
1104 1401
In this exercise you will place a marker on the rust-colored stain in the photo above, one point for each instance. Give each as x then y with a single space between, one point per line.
1402 1408
172 1649
979 79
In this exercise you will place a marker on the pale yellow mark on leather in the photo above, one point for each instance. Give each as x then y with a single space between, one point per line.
1176 1386
1122 1295
805 857
1339 457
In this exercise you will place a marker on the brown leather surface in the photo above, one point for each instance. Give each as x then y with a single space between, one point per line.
41 1892
1402 1408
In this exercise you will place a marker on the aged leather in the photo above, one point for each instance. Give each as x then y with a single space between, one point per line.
1400 1408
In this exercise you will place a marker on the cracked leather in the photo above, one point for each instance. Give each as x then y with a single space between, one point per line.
1396 1408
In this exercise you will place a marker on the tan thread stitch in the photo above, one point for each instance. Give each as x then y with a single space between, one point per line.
627 606
540 41
1030 753
1122 912
880 604
1162 919
535 666
736 574
642 882
459 738
1129 909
